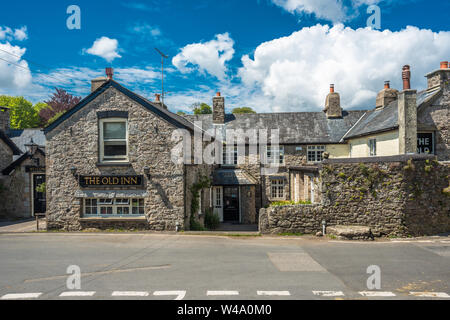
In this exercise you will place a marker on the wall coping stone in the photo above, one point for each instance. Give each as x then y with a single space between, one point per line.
397 158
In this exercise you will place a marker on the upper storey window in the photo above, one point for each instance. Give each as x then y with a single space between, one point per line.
315 153
114 140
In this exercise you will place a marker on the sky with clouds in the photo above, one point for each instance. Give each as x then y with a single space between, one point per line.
271 55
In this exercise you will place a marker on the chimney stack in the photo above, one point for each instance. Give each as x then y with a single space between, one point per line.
4 119
406 76
439 77
333 104
218 109
386 96
98 82
407 116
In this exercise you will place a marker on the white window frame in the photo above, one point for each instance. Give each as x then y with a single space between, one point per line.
318 151
226 156
372 147
275 155
102 140
114 205
277 187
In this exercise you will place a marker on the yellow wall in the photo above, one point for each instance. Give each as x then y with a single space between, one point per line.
387 145
338 150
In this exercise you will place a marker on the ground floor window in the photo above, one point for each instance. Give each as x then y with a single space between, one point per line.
114 207
277 189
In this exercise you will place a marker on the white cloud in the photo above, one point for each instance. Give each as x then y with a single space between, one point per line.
335 11
14 75
209 57
8 34
293 73
106 48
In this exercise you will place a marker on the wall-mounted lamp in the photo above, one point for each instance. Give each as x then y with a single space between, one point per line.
147 171
73 170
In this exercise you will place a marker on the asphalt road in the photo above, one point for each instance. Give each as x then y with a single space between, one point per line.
161 266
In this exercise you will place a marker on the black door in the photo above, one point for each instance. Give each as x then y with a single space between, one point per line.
39 197
231 204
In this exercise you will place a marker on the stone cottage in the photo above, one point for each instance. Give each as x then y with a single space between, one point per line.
22 170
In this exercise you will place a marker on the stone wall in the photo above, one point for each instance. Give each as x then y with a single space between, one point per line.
74 143
394 196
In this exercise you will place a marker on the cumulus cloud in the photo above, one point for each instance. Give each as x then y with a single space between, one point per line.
14 75
293 73
105 48
331 10
8 34
207 57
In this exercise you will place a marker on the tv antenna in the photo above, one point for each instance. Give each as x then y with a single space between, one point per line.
163 56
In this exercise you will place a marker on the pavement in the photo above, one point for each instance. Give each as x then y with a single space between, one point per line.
191 267
28 225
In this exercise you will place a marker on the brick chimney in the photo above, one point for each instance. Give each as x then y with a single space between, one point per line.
98 82
439 77
158 101
407 115
333 104
218 109
4 119
386 96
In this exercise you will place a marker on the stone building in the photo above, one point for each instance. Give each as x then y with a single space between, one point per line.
22 170
110 158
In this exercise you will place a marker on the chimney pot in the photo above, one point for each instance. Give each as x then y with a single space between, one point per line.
387 85
331 88
218 94
444 65
157 97
406 76
109 73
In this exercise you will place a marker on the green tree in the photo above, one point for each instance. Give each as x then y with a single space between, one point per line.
22 114
243 110
201 108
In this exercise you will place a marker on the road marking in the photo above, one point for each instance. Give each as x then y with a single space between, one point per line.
14 296
430 294
377 294
77 294
273 293
329 293
130 294
180 294
222 293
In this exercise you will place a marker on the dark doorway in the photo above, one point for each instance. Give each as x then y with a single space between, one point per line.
39 202
231 204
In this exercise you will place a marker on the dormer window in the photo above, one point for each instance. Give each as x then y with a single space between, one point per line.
113 140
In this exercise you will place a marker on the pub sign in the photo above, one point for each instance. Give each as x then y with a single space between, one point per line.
110 181
425 143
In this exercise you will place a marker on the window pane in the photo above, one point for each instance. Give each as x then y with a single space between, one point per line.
88 210
113 149
114 130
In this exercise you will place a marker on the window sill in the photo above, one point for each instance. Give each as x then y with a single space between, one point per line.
113 164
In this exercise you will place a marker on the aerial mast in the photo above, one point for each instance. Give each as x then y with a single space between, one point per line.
163 56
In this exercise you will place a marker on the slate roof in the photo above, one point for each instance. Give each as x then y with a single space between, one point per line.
295 128
23 137
386 119
160 111
232 177
16 151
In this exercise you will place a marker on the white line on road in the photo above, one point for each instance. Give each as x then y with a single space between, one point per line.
328 293
222 293
77 294
430 294
377 294
273 293
130 294
180 294
14 296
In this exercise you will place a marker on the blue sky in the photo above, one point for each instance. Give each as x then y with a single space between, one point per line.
272 55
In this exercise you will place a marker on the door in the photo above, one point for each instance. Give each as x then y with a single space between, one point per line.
218 202
231 204
39 203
